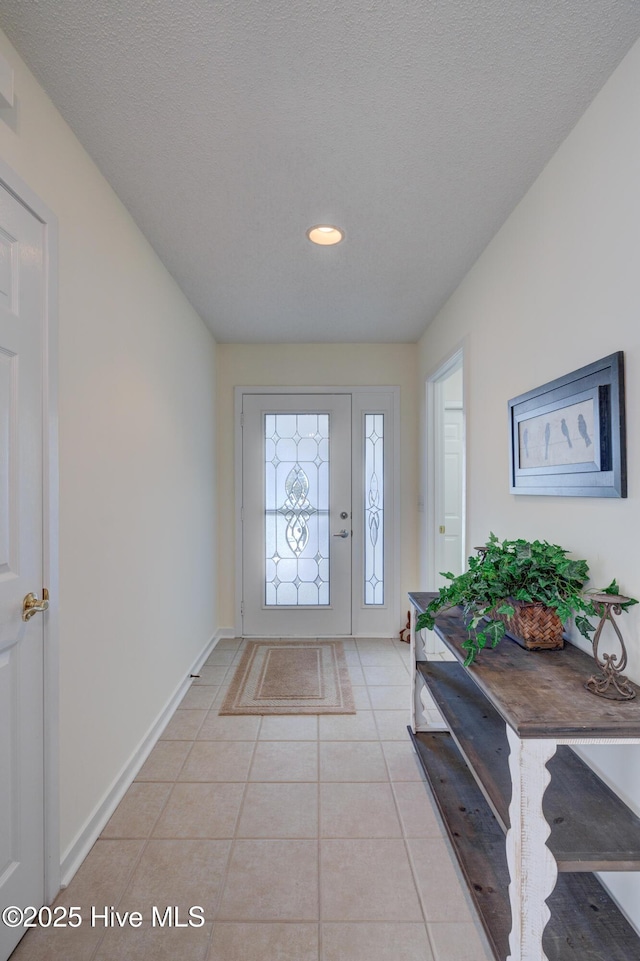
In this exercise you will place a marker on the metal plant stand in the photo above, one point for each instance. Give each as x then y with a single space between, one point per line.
610 682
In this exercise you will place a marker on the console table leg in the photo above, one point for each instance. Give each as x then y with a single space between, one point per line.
421 701
532 867
414 708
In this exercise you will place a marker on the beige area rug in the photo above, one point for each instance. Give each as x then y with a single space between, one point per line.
291 677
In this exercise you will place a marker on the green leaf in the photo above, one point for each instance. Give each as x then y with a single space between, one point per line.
495 631
424 620
523 595
563 609
585 626
507 609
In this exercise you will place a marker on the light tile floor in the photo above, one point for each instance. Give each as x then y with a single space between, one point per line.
301 838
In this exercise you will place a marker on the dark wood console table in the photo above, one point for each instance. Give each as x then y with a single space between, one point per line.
501 764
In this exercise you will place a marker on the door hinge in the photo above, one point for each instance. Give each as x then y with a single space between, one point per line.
241 608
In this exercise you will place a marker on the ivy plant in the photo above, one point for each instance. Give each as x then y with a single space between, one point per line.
506 571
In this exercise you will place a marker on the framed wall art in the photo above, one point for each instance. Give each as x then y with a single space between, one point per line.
568 436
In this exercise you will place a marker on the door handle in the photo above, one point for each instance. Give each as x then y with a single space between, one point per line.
342 533
31 605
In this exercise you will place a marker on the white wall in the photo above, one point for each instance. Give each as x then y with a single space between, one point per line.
313 365
137 480
557 288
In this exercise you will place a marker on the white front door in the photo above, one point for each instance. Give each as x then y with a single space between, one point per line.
21 562
296 514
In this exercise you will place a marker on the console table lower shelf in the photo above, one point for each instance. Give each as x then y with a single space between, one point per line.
585 923
530 822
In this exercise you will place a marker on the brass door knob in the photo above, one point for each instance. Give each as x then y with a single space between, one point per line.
31 605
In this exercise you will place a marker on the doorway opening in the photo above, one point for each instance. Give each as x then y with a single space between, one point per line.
445 528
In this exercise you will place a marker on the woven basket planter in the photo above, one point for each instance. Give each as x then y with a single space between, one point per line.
535 627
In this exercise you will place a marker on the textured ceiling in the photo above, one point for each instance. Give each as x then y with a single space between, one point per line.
228 127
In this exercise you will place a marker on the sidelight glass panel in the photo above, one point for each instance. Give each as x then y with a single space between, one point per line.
374 509
296 510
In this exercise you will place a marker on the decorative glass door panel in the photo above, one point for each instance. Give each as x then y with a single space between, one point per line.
297 473
296 514
374 509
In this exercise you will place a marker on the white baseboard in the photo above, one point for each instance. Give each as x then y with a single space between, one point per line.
88 835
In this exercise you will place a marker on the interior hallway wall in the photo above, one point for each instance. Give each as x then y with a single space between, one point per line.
313 365
137 479
558 288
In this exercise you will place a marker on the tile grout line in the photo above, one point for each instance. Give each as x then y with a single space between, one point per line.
145 841
408 854
405 841
234 838
145 844
177 781
225 873
319 846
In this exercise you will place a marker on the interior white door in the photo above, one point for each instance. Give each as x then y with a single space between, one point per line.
448 475
452 560
21 562
296 514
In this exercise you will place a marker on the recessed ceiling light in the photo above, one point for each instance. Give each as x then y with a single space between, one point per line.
325 235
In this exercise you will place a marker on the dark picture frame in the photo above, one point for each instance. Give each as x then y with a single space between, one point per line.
568 437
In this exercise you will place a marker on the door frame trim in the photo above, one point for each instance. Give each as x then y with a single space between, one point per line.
394 391
14 184
444 369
